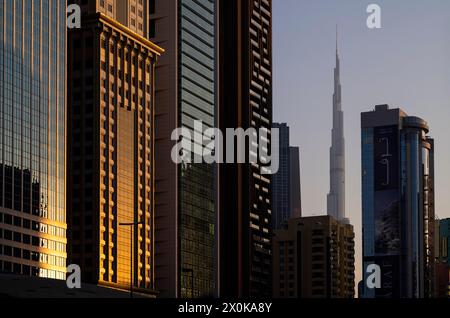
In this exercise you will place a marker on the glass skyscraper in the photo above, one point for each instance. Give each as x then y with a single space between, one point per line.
197 209
398 203
185 198
286 196
32 137
281 194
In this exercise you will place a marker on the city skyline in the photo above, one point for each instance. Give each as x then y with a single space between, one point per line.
88 118
386 66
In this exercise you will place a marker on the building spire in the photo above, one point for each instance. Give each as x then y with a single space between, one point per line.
336 39
336 196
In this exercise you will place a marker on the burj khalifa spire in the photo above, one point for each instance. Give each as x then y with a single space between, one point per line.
336 196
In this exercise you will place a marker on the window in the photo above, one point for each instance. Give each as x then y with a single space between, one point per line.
8 219
17 237
26 239
26 254
7 235
7 250
35 256
17 252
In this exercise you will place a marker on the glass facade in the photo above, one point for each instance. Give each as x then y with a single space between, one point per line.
197 194
281 195
32 144
417 198
398 205
368 204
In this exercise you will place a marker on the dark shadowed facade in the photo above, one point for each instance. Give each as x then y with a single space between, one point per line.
246 102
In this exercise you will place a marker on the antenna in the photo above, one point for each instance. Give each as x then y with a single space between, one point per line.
337 38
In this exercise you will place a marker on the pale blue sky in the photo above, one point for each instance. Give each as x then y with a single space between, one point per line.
405 64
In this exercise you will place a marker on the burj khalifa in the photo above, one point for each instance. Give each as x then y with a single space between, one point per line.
336 196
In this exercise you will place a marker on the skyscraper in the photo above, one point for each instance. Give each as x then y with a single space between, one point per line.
32 144
398 202
314 257
245 196
286 195
336 196
186 91
281 194
111 75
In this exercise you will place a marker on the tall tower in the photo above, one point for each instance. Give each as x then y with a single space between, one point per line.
398 203
245 96
185 200
111 105
281 194
32 144
336 197
286 196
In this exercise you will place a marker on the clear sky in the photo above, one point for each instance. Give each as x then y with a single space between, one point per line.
405 64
